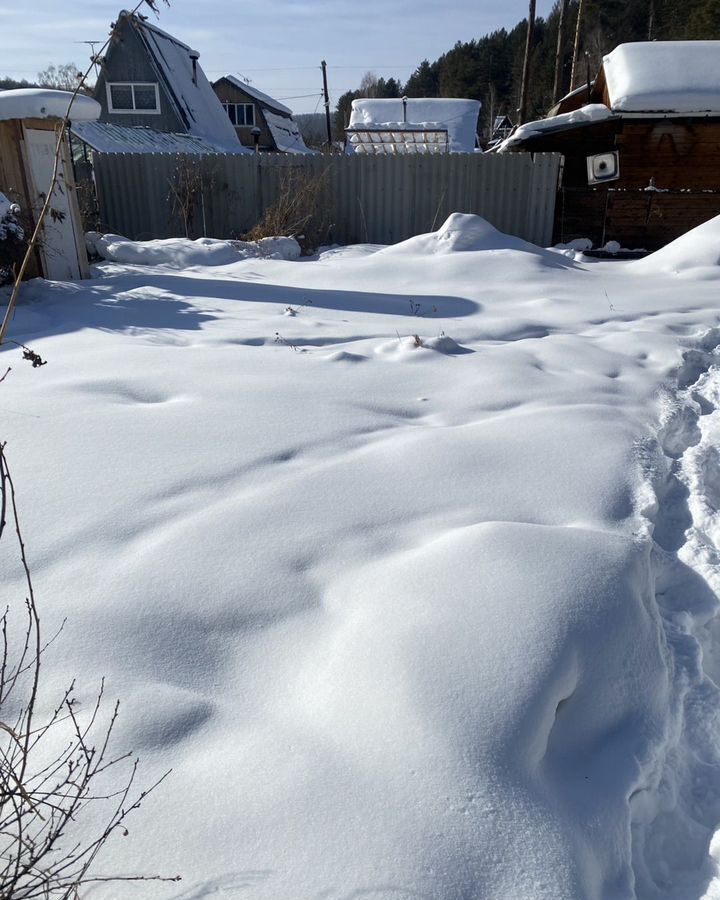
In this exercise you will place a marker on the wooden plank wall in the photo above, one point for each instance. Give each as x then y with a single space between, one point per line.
14 183
669 183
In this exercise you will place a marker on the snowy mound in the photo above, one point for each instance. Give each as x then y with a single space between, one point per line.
181 252
695 254
414 588
43 103
461 232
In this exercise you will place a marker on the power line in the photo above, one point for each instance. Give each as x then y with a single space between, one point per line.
364 68
300 96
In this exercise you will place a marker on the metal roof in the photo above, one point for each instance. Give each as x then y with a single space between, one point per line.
108 138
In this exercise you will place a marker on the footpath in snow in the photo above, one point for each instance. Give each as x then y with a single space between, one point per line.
404 559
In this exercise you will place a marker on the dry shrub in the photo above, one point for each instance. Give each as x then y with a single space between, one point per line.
300 211
62 792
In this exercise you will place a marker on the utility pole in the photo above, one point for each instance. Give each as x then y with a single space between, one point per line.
323 64
576 46
526 64
560 53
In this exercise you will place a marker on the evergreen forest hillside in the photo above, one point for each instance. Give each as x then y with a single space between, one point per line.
489 68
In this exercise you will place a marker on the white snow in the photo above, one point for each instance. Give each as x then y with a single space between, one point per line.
459 116
9 226
695 254
286 133
180 252
44 103
414 587
592 112
664 76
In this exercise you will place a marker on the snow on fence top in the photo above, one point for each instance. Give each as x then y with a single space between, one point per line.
43 103
664 76
458 116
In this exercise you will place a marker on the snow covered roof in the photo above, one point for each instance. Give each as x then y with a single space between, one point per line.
43 103
263 99
196 101
286 133
593 112
106 137
664 76
458 116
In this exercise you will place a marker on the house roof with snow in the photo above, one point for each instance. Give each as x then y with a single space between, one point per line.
142 55
578 118
264 100
286 133
661 77
638 80
43 103
105 137
433 115
279 131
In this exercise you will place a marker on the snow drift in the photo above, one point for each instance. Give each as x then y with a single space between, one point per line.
181 252
695 254
404 620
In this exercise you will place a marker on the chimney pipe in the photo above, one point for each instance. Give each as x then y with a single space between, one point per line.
194 56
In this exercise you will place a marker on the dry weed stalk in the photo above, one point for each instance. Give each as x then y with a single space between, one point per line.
53 766
60 137
300 211
44 791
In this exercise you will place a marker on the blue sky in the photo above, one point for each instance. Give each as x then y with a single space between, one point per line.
277 44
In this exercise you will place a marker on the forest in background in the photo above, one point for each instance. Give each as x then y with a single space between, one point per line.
489 68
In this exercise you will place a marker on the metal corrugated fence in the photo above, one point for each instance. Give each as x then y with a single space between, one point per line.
375 199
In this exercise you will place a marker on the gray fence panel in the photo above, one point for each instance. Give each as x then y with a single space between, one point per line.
375 199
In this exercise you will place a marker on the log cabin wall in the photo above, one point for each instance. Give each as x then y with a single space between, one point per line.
669 180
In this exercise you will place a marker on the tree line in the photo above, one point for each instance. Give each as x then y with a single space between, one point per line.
63 77
489 68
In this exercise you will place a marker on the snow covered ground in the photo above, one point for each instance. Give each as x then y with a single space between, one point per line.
403 559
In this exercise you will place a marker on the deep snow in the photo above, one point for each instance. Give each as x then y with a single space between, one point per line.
403 559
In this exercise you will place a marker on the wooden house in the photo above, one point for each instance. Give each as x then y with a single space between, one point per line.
641 145
250 110
152 80
29 119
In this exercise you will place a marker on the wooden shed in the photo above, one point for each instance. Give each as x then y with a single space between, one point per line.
248 108
29 121
642 156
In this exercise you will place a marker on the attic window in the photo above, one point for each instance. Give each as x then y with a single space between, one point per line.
242 114
133 97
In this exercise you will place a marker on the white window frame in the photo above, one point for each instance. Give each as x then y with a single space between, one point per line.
132 85
227 103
